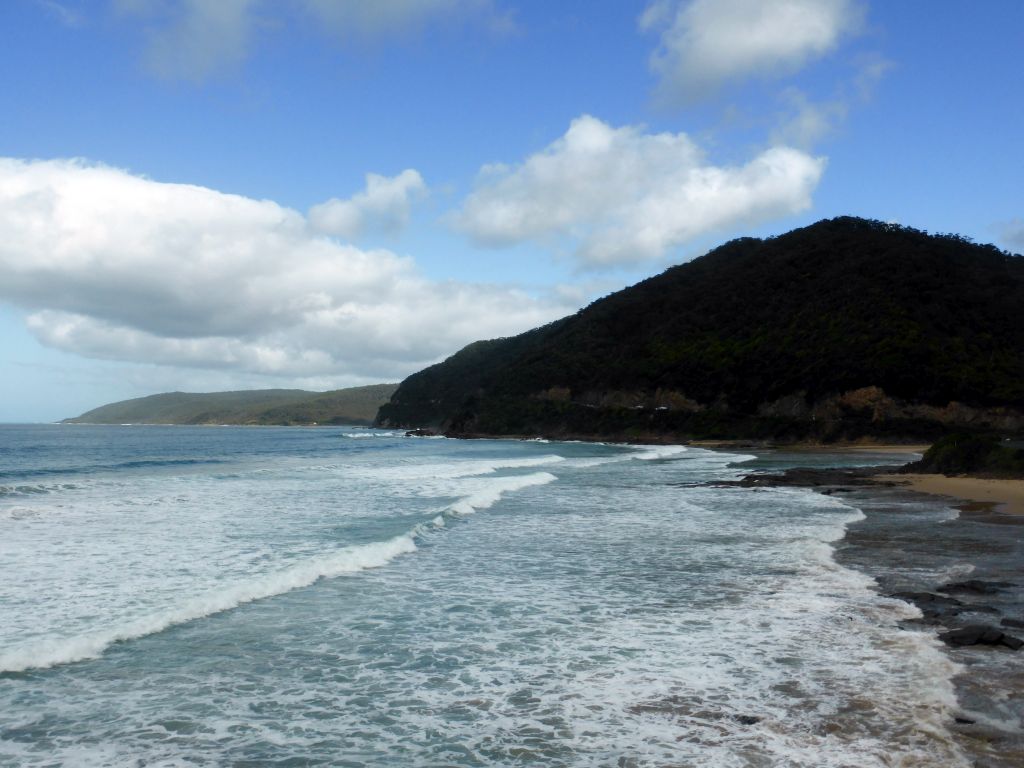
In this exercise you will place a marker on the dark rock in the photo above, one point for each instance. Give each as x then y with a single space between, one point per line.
980 634
964 720
935 608
976 587
926 598
833 480
747 719
1015 623
421 433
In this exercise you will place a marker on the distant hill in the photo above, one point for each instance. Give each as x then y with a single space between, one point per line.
355 405
844 329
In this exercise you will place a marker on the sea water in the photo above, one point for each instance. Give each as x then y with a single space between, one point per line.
175 596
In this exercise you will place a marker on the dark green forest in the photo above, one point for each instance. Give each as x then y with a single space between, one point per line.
843 329
977 455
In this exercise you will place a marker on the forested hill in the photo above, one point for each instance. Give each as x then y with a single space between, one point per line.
843 329
355 405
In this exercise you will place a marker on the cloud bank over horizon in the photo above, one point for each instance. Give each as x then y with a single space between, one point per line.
622 195
119 267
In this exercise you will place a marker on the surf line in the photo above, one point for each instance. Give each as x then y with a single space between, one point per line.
41 653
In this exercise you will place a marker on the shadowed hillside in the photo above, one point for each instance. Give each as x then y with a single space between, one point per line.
356 405
843 329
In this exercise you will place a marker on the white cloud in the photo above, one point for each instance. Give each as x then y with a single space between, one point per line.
360 18
806 122
69 17
383 205
115 266
707 43
1012 233
194 39
620 195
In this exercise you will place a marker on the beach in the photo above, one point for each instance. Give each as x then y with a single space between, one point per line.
961 566
1002 495
951 547
954 548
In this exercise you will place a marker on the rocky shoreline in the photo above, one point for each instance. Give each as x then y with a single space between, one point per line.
962 566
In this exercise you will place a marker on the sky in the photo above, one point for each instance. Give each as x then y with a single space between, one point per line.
203 195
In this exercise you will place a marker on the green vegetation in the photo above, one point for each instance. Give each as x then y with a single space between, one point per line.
355 405
844 329
979 455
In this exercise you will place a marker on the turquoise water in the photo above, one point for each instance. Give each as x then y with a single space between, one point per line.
249 596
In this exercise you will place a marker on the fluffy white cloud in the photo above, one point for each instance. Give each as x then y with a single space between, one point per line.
120 267
384 205
706 43
622 195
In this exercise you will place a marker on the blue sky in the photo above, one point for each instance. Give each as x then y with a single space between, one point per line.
204 195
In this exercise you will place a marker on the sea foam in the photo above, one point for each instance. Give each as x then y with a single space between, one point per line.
48 652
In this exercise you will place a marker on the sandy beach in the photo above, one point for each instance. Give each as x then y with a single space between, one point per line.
912 450
1006 495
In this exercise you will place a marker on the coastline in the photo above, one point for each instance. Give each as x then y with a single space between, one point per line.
1005 496
961 567
944 545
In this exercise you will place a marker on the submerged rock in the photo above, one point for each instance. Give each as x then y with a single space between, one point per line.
934 608
835 480
981 634
976 587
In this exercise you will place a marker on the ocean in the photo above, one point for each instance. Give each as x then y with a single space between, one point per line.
244 596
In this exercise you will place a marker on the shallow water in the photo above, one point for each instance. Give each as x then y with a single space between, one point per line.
250 596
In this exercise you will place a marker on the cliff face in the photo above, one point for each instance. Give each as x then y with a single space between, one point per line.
847 328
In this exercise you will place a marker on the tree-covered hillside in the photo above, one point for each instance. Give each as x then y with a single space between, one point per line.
355 405
845 328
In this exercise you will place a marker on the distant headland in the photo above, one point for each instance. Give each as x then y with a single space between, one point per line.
355 405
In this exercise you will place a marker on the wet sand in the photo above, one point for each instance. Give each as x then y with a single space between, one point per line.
912 450
1006 496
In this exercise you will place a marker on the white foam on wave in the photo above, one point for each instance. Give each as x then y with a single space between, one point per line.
54 650
458 469
17 512
653 452
495 489
34 489
48 652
